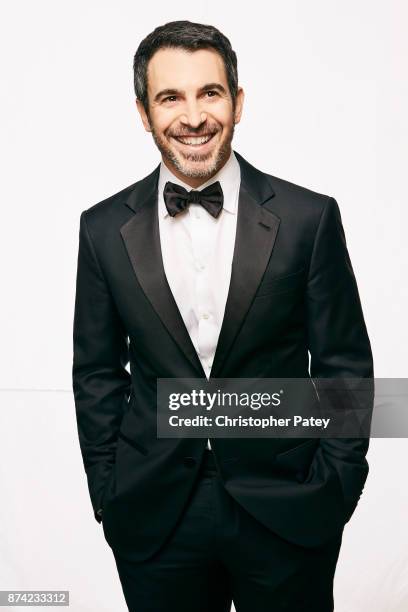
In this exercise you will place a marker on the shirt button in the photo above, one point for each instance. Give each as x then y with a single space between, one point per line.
205 315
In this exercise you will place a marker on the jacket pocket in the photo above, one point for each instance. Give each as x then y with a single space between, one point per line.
296 461
281 284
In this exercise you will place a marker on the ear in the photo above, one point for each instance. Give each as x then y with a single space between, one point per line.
239 103
143 115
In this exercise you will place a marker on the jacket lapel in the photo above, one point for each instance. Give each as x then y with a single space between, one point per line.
257 228
142 240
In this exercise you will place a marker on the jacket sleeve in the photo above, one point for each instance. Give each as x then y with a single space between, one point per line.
338 342
101 384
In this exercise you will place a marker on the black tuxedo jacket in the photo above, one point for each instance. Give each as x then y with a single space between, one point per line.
292 292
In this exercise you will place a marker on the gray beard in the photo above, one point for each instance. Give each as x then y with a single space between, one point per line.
204 173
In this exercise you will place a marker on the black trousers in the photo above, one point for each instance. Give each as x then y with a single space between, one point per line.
219 553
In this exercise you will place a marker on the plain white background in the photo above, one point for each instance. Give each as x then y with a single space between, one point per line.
326 98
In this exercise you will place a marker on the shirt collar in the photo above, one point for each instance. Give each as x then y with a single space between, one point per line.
229 177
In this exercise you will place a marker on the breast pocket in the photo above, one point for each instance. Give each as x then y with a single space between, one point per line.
282 284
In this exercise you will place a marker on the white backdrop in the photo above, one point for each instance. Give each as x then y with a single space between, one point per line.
326 98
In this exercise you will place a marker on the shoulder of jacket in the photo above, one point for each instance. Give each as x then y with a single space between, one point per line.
298 193
104 207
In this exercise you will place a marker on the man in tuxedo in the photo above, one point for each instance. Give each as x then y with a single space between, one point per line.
210 268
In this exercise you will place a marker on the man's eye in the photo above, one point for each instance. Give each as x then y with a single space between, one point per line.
174 98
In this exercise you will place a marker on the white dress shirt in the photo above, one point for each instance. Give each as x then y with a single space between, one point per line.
197 252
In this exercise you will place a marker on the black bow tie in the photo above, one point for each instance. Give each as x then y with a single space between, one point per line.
177 198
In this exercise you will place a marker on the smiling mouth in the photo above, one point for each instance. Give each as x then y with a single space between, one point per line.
195 141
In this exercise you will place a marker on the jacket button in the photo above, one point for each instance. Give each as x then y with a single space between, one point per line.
99 512
189 462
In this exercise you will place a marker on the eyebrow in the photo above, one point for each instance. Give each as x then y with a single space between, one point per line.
173 92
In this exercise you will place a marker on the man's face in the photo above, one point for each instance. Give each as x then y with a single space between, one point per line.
191 114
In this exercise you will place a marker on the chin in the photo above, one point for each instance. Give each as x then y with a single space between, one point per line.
199 168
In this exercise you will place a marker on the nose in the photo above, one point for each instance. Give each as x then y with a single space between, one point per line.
193 115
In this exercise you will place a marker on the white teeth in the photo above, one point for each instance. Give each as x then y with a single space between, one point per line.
194 140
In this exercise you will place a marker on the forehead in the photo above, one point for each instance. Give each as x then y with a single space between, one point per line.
183 69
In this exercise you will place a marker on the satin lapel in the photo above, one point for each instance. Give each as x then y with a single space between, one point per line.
142 240
257 228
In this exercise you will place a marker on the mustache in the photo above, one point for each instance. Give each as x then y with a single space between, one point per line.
195 132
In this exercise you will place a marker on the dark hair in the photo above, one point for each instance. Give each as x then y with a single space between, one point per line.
184 35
